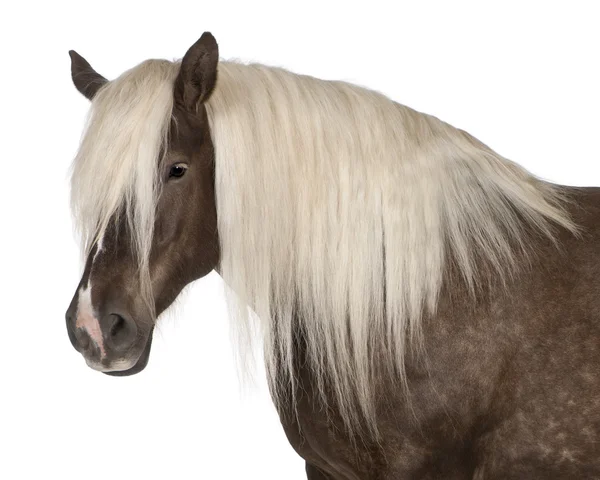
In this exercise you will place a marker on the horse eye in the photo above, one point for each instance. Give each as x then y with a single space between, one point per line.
177 170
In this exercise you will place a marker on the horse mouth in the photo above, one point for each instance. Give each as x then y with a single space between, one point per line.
139 365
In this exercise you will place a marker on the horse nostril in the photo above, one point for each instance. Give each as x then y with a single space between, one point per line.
121 332
116 326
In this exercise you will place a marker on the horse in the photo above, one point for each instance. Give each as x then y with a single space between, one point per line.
426 308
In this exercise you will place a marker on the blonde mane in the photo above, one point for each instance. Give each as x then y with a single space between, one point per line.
115 171
338 210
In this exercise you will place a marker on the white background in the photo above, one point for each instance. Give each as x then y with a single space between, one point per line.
522 76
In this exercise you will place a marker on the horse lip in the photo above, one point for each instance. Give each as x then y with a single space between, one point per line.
139 365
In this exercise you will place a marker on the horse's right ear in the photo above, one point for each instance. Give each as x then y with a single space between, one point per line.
198 74
85 78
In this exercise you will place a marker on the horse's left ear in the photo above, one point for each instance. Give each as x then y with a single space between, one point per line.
198 74
85 78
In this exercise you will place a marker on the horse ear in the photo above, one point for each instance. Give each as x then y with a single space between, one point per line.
85 78
198 74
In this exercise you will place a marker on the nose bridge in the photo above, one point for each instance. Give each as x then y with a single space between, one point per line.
112 269
82 294
87 322
83 316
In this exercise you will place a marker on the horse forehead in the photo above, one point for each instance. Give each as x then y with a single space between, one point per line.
187 131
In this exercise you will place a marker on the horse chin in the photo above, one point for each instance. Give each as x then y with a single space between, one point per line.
139 365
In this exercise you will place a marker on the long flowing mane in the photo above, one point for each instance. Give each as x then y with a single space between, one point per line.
116 168
338 212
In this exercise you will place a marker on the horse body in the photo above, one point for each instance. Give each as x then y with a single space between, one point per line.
509 389
428 309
